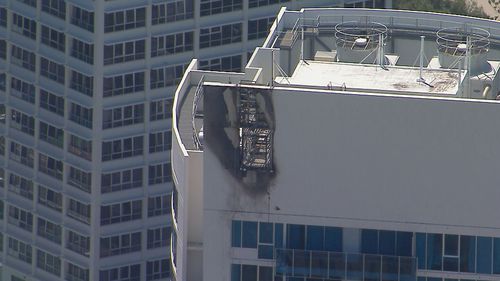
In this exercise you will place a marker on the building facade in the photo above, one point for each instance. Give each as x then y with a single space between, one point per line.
355 145
86 90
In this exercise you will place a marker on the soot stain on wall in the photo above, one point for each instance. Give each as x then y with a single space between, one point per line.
222 135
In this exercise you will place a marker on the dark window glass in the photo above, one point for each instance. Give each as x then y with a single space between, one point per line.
420 249
249 272
236 234
390 268
354 266
265 273
467 253
249 235
451 245
284 262
434 251
484 255
337 266
278 235
450 264
301 263
265 252
496 256
333 239
319 264
369 241
235 272
315 238
295 236
407 269
387 242
404 244
265 232
372 266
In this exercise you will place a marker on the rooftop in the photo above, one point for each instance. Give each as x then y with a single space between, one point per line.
373 78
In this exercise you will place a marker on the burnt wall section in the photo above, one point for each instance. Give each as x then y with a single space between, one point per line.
239 129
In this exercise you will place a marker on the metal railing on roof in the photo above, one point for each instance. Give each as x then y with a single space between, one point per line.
406 24
198 95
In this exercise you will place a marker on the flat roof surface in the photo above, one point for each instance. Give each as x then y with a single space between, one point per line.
373 78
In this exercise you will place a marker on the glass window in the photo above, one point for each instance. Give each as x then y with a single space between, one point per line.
484 247
420 249
407 269
369 241
451 245
337 266
235 271
319 264
467 253
387 242
249 272
315 238
236 234
265 252
278 235
434 251
372 267
301 263
354 266
265 232
333 239
249 235
265 273
450 259
390 268
496 256
295 236
404 243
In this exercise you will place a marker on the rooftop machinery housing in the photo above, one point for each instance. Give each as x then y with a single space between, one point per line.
356 145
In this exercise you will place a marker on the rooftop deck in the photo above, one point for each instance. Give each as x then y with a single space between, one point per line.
373 78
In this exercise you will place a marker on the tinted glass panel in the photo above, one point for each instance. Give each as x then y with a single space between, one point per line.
265 273
249 272
265 232
235 272
496 256
369 241
315 239
467 253
404 243
333 239
434 251
354 266
337 266
450 264
484 245
249 235
301 263
420 249
278 235
389 268
236 234
319 264
295 236
265 252
451 245
387 242
372 267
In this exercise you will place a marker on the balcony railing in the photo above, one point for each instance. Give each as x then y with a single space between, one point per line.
344 266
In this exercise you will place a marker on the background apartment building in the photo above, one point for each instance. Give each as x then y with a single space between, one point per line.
86 89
